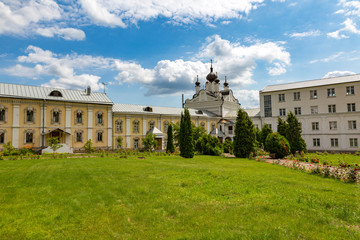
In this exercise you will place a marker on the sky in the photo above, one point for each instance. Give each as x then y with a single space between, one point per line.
149 52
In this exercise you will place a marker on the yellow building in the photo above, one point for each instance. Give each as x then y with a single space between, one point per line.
133 122
29 115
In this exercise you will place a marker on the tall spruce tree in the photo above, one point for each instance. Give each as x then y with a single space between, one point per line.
186 136
293 134
181 134
245 139
281 127
265 131
170 140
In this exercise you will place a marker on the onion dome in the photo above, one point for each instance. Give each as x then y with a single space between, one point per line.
197 83
226 83
211 76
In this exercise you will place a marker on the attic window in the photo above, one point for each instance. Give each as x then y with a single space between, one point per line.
199 112
55 93
148 109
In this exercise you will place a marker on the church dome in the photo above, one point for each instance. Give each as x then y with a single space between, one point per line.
197 83
211 76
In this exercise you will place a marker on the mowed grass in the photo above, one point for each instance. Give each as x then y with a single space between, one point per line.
335 159
172 198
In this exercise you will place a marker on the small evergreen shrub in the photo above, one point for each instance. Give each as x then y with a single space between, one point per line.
88 146
278 145
228 146
209 145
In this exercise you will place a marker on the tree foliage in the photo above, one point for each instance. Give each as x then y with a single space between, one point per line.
228 146
245 139
88 147
119 141
277 144
281 127
149 142
265 131
170 140
186 136
293 134
54 143
209 145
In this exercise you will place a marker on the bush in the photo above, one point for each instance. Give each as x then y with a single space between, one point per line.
228 146
209 145
88 146
149 142
278 145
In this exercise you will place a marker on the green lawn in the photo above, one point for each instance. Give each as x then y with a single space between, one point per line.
172 198
335 159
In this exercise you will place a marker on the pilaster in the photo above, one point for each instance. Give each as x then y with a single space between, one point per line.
90 122
16 118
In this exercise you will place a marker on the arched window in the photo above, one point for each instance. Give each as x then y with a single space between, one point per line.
29 115
78 136
2 136
151 125
166 126
79 116
118 126
29 136
100 136
100 118
55 116
136 126
55 93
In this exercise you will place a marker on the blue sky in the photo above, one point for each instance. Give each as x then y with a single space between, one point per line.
149 52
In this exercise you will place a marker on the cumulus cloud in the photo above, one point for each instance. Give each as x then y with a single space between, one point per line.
351 10
32 17
63 68
233 59
338 74
312 33
248 98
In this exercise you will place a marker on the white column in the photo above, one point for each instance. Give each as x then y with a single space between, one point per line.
128 132
16 118
110 126
159 123
197 122
90 122
144 126
208 126
43 123
68 125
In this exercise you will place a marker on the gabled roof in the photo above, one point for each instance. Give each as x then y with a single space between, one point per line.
137 109
155 131
35 92
312 83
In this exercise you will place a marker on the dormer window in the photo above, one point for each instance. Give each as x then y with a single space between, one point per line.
199 112
148 109
55 93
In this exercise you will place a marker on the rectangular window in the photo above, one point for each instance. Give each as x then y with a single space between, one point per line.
230 130
351 107
350 90
29 115
313 94
282 97
334 142
2 138
332 108
333 125
267 106
136 143
352 125
2 115
297 110
78 117
331 92
100 118
100 136
296 96
315 126
314 109
56 117
29 138
316 142
282 112
353 142
79 137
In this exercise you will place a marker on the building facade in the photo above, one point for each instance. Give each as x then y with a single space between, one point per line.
328 110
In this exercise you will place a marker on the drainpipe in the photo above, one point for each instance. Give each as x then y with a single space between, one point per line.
43 125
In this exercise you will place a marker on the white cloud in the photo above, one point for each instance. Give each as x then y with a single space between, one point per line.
168 76
63 68
65 33
248 98
32 17
121 13
349 27
305 34
328 59
338 74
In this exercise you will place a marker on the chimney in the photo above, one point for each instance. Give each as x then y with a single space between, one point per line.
88 90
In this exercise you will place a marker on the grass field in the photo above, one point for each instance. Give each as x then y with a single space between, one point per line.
335 159
172 198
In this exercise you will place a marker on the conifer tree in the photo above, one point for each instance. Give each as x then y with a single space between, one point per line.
293 134
170 140
281 127
245 139
265 131
186 136
181 134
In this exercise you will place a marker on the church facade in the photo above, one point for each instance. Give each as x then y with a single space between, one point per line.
328 110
